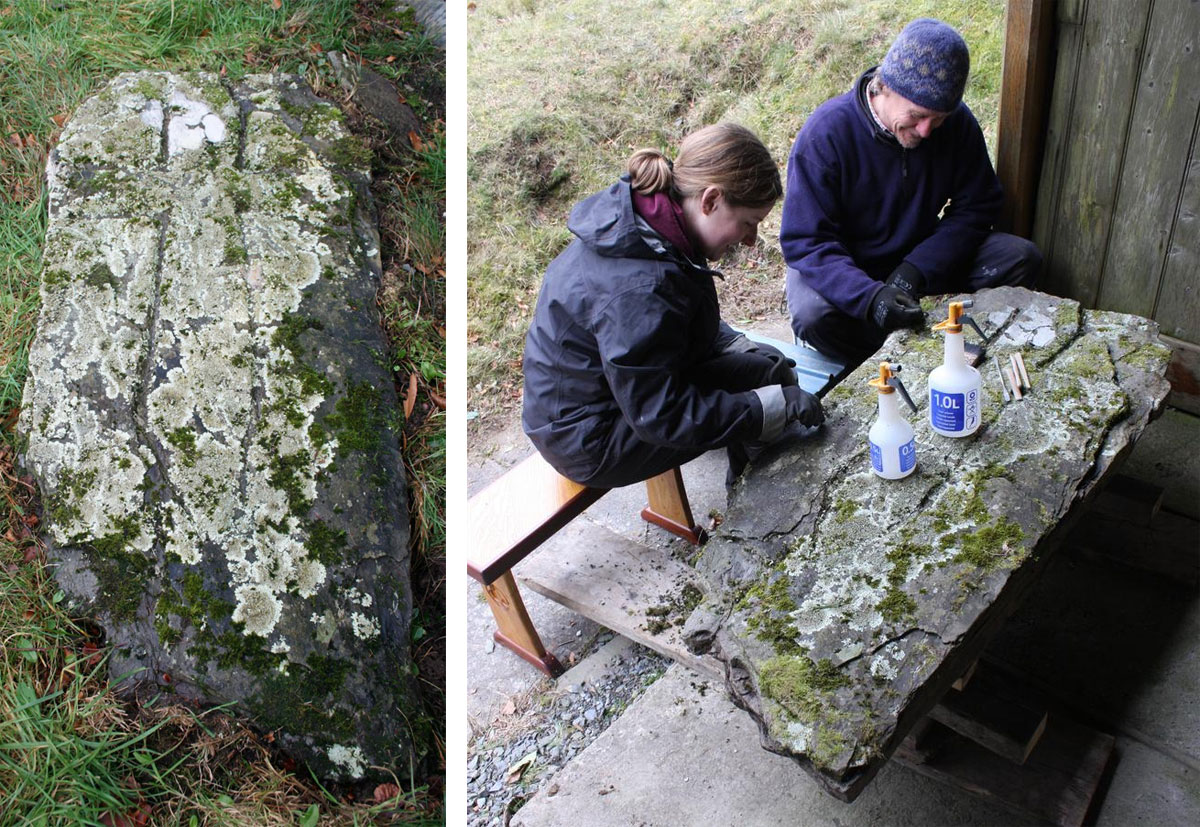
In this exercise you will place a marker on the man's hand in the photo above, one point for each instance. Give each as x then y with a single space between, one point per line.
802 407
892 309
908 279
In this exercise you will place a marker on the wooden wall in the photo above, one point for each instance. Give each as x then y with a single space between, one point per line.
1119 193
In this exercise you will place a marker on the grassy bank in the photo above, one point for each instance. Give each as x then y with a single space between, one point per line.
561 93
70 751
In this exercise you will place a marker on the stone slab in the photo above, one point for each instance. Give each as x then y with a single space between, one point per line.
207 415
851 603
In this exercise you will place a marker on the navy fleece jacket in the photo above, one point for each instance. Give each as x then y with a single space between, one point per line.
858 204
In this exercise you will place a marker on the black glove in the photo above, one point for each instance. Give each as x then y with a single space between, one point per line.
801 406
908 279
892 309
784 370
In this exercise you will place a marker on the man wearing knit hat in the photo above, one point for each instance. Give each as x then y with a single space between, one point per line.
891 196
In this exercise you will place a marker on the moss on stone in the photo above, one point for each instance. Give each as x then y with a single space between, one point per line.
994 545
326 545
184 440
799 685
771 620
122 571
100 275
358 420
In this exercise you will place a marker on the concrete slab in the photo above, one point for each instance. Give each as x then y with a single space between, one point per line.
1148 787
1167 455
683 754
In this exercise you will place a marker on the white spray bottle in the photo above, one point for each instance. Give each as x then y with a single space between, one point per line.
955 388
893 449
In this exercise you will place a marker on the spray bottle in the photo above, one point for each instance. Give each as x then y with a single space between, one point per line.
955 388
893 449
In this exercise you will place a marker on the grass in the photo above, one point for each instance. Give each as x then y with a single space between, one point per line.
560 94
70 750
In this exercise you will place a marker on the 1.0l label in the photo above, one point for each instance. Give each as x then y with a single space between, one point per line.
954 411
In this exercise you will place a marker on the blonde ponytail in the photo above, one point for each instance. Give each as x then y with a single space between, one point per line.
650 172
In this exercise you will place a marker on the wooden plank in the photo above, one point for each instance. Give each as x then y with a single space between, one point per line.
637 591
1159 143
1103 100
1184 371
517 513
1024 92
995 711
1056 784
1178 309
1069 49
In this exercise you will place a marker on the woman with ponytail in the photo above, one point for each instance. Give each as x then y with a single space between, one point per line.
629 370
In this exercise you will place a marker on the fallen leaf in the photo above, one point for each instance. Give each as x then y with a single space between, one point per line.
440 401
31 520
276 4
390 59
509 707
386 792
15 140
31 554
410 398
60 118
415 140
518 769
470 7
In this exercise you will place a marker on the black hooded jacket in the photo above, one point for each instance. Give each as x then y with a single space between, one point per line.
621 319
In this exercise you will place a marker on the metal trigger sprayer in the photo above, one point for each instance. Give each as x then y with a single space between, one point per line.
893 448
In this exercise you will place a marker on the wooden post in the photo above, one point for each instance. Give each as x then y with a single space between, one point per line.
515 630
669 507
1024 94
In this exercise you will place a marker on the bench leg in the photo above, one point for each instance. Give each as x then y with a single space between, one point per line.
515 630
669 507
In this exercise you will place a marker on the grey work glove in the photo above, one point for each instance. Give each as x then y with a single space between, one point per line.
908 279
801 406
892 309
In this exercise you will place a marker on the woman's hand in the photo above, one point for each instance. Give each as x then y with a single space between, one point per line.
801 406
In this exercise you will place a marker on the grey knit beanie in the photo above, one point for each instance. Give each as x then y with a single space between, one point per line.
928 64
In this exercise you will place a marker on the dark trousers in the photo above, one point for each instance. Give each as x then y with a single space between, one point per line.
1002 260
629 459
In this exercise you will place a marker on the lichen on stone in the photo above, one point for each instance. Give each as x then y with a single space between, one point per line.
204 354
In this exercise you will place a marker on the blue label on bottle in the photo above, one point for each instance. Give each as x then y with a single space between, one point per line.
908 455
946 410
876 458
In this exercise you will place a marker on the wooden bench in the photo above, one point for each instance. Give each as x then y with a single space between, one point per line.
524 508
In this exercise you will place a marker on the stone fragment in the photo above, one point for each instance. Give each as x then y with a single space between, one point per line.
849 603
208 417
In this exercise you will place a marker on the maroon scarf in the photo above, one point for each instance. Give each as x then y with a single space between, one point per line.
666 219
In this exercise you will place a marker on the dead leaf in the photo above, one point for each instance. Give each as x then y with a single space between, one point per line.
410 398
470 7
60 118
15 140
276 4
440 401
386 792
390 59
518 769
31 554
415 140
509 707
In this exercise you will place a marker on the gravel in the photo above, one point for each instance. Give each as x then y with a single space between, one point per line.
520 754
